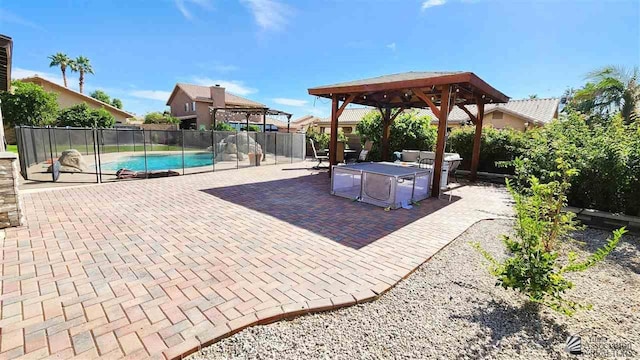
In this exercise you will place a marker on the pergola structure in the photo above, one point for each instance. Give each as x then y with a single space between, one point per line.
392 94
248 112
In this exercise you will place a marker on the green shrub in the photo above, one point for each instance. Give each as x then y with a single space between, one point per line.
496 147
607 157
321 140
160 118
29 104
408 131
81 115
535 267
223 126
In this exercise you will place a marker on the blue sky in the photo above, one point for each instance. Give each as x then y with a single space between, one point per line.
273 51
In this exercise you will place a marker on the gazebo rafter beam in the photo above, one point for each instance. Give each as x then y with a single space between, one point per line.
422 96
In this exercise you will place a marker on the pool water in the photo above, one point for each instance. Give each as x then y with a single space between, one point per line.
161 161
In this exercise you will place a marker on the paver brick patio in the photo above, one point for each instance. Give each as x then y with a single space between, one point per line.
157 268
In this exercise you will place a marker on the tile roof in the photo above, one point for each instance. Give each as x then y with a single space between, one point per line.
203 93
540 111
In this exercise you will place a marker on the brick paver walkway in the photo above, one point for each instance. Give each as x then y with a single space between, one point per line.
159 267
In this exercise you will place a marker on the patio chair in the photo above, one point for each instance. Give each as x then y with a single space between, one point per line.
320 158
362 157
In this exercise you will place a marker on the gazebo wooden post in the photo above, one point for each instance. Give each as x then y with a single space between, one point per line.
440 144
386 132
333 143
475 157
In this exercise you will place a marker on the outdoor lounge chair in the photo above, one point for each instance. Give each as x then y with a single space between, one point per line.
320 158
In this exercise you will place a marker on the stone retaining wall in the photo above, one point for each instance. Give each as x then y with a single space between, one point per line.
10 207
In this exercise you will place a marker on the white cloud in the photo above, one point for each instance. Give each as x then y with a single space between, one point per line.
233 86
182 6
431 3
269 14
20 73
9 17
290 102
158 95
392 46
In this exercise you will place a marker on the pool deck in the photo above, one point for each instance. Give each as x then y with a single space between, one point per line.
158 268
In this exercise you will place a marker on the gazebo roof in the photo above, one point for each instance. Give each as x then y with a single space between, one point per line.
398 90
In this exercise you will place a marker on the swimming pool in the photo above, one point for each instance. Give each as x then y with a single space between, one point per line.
160 162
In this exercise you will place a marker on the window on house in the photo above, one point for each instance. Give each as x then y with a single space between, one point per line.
186 106
193 106
321 130
497 115
347 130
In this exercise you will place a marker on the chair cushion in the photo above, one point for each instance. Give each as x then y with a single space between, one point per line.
427 155
410 155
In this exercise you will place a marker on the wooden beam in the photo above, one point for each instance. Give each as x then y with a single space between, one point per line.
345 103
333 140
473 118
422 96
440 144
475 157
386 133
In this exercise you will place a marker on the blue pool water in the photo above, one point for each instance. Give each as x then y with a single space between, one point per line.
160 161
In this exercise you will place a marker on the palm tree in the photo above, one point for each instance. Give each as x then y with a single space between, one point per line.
83 66
613 88
62 60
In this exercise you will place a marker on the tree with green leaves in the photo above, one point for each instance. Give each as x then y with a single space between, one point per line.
28 104
408 131
160 118
105 98
63 61
82 66
117 103
101 95
609 90
81 115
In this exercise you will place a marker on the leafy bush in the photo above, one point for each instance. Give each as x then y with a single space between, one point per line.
254 128
496 147
321 140
535 267
607 157
160 118
223 126
408 131
82 115
29 104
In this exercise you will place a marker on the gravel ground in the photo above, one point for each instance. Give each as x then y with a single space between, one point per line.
449 308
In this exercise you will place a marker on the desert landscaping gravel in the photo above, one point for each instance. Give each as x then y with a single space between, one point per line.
450 308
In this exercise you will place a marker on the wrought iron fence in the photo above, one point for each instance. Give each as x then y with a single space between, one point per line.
98 155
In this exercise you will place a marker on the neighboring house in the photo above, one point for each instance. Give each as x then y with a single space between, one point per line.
302 124
516 114
69 97
191 104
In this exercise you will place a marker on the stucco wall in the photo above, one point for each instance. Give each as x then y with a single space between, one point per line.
177 104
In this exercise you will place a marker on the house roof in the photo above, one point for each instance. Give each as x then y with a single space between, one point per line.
398 90
203 93
86 98
538 111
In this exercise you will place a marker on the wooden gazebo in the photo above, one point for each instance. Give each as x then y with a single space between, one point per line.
392 94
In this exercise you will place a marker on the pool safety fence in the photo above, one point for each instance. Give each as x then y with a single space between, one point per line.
93 155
